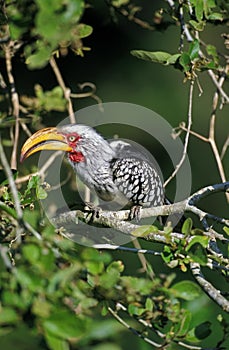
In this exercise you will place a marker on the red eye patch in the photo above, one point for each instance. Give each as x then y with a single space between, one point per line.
72 139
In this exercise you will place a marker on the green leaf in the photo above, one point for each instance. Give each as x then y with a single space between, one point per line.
156 56
173 58
41 308
215 16
41 193
116 265
40 58
31 252
187 226
135 310
56 343
167 254
191 337
198 254
194 49
65 325
144 230
184 324
202 240
32 217
203 330
226 230
149 304
199 10
94 267
119 3
84 30
198 25
8 316
186 290
211 50
185 61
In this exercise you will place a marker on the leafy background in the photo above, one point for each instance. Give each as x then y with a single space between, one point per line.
54 293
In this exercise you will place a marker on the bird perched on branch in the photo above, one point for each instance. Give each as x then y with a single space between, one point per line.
113 169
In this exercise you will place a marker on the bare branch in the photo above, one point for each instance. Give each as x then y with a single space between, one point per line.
178 166
66 91
42 170
218 84
133 330
117 219
14 101
224 148
21 223
208 287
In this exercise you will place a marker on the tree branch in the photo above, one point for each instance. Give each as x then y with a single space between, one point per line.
14 101
66 91
184 154
117 219
208 287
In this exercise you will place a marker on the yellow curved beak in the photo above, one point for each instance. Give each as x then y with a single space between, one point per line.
44 139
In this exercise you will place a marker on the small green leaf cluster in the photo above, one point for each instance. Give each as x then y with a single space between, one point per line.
189 62
47 26
51 100
192 248
205 11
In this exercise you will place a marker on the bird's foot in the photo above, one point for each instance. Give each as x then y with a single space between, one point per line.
135 213
93 211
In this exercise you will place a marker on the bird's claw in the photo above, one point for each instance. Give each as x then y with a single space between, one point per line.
92 210
135 213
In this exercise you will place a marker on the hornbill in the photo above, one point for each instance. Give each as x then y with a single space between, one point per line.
114 170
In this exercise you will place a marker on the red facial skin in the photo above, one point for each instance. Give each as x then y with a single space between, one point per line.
72 140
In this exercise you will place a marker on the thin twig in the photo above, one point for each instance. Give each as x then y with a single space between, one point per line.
21 223
41 172
184 154
218 85
66 91
15 103
143 259
88 94
10 178
224 148
125 249
133 330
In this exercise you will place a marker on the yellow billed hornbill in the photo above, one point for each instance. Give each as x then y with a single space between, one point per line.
112 169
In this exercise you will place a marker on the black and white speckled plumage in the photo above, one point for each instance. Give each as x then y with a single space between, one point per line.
115 169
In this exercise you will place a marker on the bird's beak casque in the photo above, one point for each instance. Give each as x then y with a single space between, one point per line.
45 139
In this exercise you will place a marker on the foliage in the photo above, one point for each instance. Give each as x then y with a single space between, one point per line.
56 294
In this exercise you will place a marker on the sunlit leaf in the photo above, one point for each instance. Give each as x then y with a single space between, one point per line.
55 343
155 56
187 226
216 16
184 325
186 290
84 30
65 325
194 49
185 61
8 316
198 25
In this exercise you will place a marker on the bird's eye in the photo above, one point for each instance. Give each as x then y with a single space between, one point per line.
71 138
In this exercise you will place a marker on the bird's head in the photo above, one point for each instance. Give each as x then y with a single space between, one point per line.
75 139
